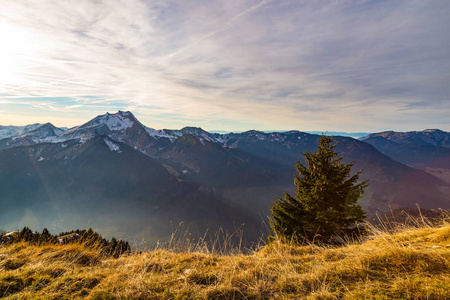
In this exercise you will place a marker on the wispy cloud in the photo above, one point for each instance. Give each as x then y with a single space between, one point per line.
307 65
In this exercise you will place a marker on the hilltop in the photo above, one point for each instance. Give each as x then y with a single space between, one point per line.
394 263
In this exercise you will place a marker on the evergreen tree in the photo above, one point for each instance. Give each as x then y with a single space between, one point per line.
26 234
325 200
46 236
112 247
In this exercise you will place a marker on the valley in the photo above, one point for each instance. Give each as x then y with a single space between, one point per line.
124 179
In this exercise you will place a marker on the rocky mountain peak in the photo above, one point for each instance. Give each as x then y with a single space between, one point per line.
115 122
45 130
11 131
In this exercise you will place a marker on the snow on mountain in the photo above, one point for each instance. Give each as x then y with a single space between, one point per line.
125 128
160 133
112 146
44 131
271 137
11 131
173 134
199 133
121 127
115 122
232 139
29 135
106 124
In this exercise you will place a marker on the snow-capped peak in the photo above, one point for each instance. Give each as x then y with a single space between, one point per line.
45 130
11 131
115 122
107 124
197 132
159 133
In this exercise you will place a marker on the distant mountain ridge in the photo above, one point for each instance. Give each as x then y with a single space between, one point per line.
123 176
118 126
428 137
356 135
10 131
122 120
427 149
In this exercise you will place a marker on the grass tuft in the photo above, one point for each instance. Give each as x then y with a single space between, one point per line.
394 262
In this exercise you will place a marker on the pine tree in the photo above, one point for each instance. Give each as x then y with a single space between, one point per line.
112 247
26 234
325 202
45 235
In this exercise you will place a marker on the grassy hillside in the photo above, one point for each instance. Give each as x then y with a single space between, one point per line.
394 263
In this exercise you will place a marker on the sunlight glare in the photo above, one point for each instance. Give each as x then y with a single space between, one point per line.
18 47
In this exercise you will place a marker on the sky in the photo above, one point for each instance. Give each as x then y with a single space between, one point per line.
355 66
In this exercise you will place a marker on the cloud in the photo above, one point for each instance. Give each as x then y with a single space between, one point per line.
339 65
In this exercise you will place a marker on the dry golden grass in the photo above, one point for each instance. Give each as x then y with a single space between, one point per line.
407 263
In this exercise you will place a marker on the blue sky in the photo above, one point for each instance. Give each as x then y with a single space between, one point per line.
228 65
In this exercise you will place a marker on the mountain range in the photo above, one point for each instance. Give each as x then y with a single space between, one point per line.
122 178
